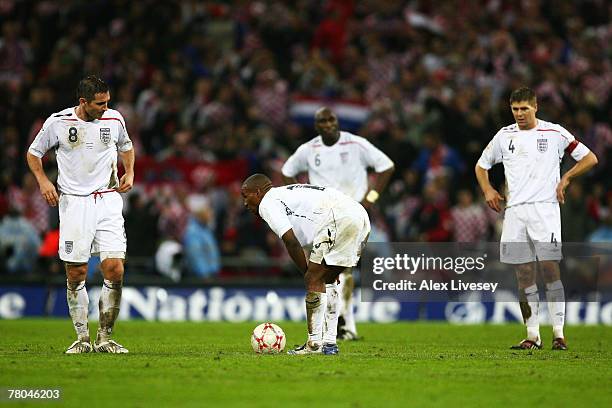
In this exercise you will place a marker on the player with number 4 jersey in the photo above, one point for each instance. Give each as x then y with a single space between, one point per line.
531 151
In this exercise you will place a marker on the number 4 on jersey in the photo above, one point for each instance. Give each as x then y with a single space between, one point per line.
511 146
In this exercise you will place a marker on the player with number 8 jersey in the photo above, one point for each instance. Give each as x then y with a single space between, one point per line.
86 151
87 140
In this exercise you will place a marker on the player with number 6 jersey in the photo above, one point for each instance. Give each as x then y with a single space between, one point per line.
342 165
340 160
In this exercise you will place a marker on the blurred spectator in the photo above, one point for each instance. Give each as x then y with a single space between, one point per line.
598 136
141 227
182 148
200 248
15 55
576 223
596 202
173 212
437 159
406 197
469 220
431 222
193 116
270 94
603 233
331 33
318 78
19 243
50 262
31 203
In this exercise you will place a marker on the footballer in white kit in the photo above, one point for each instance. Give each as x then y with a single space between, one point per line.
531 151
87 140
90 207
332 224
531 160
342 166
340 160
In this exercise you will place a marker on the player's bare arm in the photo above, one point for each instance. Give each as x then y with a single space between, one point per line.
289 180
295 251
581 167
492 196
382 179
47 189
127 180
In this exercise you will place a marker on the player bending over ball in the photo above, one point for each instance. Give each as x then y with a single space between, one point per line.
340 160
334 225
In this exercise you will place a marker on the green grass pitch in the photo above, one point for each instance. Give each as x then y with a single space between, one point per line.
401 364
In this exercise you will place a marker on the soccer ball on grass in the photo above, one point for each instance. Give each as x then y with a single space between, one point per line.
268 338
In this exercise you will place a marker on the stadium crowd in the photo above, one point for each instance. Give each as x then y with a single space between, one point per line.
213 91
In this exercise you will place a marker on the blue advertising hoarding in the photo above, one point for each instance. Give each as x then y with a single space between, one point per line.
236 305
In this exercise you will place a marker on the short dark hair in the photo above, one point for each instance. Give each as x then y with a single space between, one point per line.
523 94
90 86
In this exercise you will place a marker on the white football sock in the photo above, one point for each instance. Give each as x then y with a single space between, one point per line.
349 314
78 305
340 289
331 314
555 296
532 322
316 304
346 301
110 300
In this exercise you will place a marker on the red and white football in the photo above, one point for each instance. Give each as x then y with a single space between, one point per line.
268 338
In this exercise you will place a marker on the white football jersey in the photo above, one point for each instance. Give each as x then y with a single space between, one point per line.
301 207
342 166
86 151
531 160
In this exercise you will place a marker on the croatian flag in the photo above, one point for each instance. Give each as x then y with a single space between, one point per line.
351 114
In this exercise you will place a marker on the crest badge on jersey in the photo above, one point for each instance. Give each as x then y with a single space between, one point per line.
344 157
542 145
105 135
68 246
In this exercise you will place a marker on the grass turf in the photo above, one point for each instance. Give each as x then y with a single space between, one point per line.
401 364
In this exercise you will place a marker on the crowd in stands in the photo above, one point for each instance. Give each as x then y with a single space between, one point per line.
214 91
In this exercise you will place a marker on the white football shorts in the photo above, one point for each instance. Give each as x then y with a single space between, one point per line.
90 225
341 237
531 232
